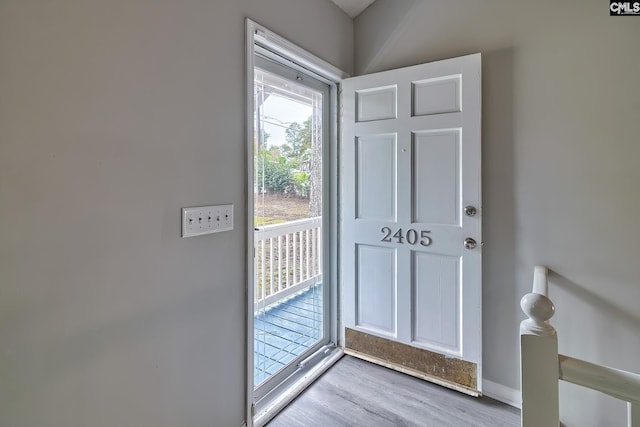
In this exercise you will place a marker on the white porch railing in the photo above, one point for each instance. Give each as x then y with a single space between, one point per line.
541 366
288 258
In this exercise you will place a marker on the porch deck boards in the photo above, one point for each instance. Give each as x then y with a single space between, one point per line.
285 329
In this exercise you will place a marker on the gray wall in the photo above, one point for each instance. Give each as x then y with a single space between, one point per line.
561 143
114 115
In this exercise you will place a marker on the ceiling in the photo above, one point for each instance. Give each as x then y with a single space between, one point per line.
353 8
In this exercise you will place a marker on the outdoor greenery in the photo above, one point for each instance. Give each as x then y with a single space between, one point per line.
273 172
286 168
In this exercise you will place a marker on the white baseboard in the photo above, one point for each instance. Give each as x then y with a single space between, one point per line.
502 393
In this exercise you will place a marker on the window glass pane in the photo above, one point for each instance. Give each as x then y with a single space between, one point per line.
288 192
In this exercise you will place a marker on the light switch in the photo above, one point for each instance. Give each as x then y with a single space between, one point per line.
201 220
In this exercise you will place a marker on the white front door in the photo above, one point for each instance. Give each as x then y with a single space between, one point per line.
411 220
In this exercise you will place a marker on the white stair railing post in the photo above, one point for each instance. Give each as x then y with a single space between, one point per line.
634 414
539 357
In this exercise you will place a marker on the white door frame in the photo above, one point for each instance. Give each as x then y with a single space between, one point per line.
269 43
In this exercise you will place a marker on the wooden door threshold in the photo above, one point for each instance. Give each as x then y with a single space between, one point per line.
456 374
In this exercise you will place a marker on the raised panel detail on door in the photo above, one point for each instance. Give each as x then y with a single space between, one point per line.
376 104
376 288
436 301
436 96
409 164
436 177
376 177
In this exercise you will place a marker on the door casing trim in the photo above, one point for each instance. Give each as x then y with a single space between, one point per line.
271 44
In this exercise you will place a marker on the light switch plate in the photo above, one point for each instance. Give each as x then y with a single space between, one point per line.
201 220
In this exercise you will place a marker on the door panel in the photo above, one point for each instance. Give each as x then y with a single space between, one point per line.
376 177
376 104
436 96
436 177
376 289
436 293
410 163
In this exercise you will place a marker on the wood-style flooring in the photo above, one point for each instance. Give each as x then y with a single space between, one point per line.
355 393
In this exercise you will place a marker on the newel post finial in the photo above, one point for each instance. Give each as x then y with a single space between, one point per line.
538 307
539 357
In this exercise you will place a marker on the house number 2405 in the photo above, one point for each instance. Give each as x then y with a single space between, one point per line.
411 236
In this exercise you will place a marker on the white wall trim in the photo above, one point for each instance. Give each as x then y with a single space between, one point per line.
502 393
